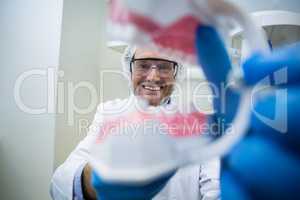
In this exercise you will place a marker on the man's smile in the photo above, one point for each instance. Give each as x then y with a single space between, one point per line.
152 87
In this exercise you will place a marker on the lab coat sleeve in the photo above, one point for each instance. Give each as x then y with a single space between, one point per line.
62 182
77 185
209 180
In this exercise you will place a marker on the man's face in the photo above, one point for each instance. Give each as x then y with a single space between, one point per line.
152 76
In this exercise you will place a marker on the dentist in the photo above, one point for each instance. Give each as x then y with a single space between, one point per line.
152 78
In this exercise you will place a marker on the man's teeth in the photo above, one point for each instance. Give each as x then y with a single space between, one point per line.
153 88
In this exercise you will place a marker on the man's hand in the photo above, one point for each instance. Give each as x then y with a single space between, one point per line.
160 151
120 190
88 190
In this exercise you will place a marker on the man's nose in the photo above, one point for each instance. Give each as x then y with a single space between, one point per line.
153 74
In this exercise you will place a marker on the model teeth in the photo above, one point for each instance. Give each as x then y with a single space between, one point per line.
152 88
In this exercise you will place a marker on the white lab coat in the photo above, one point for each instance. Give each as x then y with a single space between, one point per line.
192 183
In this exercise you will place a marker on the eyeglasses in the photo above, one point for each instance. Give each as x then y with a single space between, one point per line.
142 66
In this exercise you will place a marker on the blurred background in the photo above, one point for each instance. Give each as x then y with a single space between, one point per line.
56 65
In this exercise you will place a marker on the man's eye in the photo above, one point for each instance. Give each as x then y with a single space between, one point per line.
144 66
165 67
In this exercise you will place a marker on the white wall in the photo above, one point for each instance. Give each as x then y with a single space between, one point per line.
29 39
84 55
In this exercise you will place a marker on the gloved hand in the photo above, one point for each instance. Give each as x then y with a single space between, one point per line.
123 191
265 164
108 190
157 146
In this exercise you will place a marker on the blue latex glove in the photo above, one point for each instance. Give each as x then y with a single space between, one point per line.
266 163
118 191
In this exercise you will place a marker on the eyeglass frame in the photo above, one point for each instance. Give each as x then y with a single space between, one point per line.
175 64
